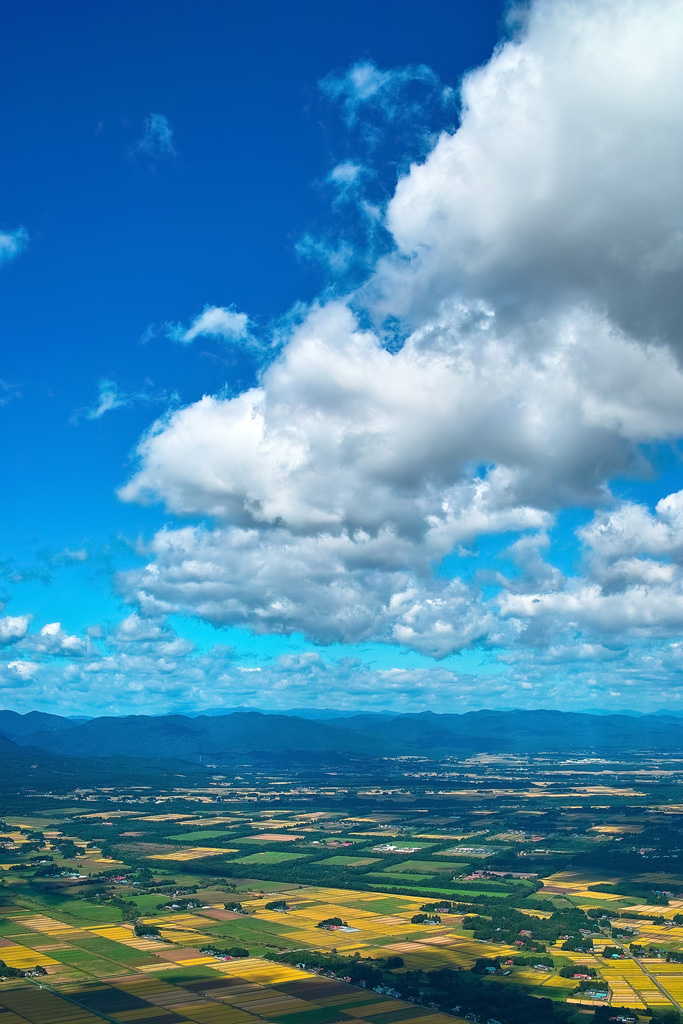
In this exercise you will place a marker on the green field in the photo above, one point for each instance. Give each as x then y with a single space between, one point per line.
390 877
268 857
427 867
126 979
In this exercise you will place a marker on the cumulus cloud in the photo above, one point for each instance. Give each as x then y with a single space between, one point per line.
148 636
54 640
12 243
129 681
532 359
13 628
72 673
631 584
126 678
331 588
350 457
343 433
23 670
562 180
141 662
213 321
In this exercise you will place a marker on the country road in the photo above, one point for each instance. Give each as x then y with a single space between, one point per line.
649 974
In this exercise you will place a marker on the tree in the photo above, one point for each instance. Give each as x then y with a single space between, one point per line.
141 929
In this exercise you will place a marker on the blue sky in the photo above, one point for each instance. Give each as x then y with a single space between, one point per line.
340 358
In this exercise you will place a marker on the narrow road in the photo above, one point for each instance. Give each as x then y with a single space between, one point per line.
74 1002
648 974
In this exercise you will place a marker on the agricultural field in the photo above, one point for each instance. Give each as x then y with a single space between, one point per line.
510 889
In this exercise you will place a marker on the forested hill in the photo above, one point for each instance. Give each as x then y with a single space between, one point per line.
246 733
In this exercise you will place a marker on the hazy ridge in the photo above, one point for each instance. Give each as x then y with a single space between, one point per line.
248 732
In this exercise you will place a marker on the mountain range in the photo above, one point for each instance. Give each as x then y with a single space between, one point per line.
244 734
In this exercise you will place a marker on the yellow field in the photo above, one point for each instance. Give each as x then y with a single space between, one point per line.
616 829
381 923
23 957
48 925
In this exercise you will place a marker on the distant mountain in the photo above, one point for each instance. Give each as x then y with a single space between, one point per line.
315 714
243 734
13 724
530 731
622 711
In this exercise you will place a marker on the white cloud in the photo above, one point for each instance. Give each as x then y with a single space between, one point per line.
562 180
25 670
349 456
639 610
13 628
534 297
148 636
331 588
344 434
631 584
214 321
142 664
53 640
12 243
345 174
129 682
631 529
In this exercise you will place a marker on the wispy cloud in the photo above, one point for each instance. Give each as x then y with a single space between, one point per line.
12 243
345 175
111 397
67 556
213 321
43 566
390 93
8 392
157 138
337 257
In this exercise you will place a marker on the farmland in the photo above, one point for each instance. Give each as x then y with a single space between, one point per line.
461 890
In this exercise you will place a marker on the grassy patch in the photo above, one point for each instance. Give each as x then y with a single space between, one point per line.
198 835
427 867
267 857
394 877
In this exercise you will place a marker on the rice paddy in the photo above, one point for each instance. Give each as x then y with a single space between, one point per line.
374 872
